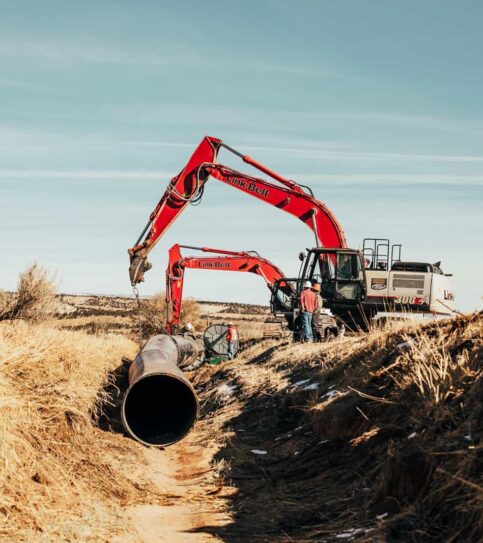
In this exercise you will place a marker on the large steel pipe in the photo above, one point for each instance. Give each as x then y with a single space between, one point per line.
160 405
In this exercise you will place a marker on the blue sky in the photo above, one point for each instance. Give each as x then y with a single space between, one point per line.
374 104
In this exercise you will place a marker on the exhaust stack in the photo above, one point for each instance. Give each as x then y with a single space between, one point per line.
160 406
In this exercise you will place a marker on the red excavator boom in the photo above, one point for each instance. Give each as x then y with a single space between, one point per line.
249 262
188 186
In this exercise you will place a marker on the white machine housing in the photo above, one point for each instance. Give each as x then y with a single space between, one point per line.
414 291
396 285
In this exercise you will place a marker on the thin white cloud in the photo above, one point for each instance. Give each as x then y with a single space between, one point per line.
91 50
21 139
328 151
361 126
337 179
16 83
388 179
291 69
84 174
324 154
155 143
407 120
16 136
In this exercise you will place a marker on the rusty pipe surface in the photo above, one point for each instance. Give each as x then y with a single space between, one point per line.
160 406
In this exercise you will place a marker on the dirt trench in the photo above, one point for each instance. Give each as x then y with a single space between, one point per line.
182 474
322 443
185 494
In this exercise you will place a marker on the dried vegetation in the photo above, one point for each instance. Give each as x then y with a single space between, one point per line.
153 314
373 438
61 477
35 298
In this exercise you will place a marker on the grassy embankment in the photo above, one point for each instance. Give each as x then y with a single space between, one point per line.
377 437
374 437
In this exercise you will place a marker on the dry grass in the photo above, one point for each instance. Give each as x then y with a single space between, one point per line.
105 314
247 328
100 325
62 478
34 299
153 315
386 423
427 363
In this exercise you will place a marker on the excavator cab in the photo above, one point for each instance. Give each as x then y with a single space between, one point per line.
284 295
340 273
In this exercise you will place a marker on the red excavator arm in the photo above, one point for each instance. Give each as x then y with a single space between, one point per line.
188 186
249 262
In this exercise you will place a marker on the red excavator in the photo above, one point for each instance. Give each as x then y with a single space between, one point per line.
354 285
188 187
250 262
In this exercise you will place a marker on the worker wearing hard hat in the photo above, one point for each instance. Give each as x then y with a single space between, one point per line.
232 338
188 330
308 304
316 313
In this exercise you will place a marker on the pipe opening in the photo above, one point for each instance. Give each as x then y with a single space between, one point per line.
159 409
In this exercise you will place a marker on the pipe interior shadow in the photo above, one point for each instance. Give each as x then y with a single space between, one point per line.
159 409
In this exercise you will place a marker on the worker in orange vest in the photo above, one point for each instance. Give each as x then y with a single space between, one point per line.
308 304
232 338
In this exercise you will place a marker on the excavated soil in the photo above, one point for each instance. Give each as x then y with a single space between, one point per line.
180 473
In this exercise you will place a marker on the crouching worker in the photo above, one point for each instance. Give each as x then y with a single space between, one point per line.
308 304
188 330
232 338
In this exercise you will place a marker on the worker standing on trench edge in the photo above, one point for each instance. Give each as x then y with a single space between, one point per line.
316 313
308 304
232 338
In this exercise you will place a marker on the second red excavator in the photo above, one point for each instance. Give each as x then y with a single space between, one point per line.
249 262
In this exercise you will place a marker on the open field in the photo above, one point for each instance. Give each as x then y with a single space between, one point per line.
376 437
102 314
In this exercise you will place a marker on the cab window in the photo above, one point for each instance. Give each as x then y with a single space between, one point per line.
348 266
281 296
